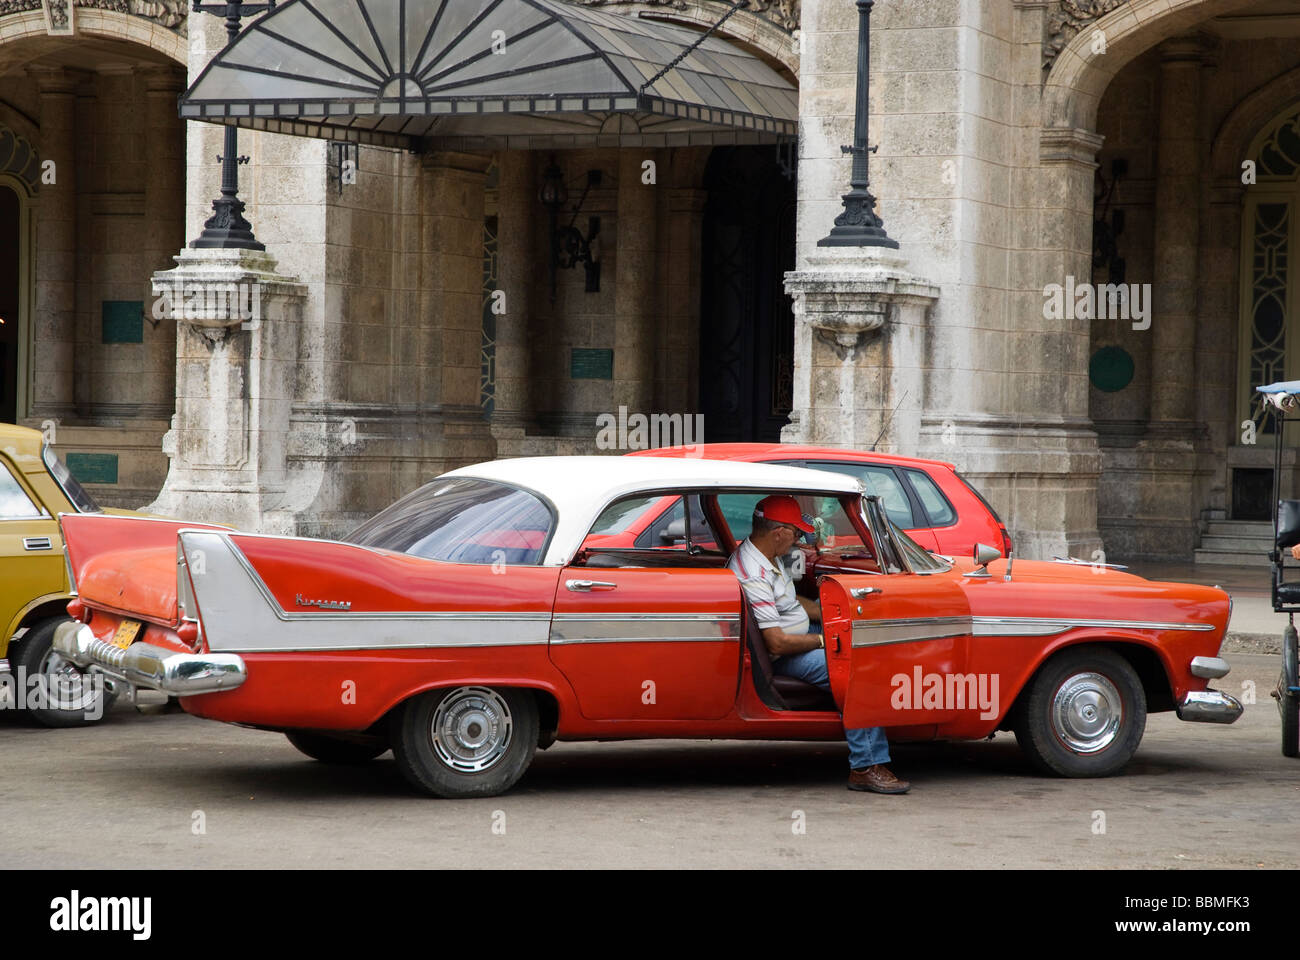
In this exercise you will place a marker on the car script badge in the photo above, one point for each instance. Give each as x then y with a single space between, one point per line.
323 604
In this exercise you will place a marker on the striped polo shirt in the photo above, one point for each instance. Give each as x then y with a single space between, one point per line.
769 589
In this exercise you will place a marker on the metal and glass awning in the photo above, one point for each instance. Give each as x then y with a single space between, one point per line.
483 74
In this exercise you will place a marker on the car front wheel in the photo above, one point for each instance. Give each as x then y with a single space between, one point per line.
1083 715
56 691
465 741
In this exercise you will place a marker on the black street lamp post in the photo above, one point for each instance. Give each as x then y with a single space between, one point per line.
858 225
227 228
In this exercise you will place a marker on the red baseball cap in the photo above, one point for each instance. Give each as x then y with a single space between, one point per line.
782 509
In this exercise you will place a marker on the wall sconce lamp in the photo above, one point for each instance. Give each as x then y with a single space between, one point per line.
1109 223
569 247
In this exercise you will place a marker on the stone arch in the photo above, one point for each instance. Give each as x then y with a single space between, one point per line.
1248 120
1078 77
760 34
109 24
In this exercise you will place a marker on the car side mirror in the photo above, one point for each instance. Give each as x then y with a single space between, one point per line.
675 532
1288 524
983 555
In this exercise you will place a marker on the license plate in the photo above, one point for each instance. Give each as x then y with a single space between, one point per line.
126 631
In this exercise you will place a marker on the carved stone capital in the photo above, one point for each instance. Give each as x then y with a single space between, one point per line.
846 303
1069 145
1069 20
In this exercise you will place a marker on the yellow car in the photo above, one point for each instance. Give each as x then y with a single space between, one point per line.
35 487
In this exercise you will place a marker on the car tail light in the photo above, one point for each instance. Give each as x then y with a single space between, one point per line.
190 635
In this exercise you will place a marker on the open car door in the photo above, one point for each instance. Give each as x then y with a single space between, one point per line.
897 642
896 647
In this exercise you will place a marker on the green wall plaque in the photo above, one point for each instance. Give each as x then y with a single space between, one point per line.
123 321
93 467
591 364
1111 369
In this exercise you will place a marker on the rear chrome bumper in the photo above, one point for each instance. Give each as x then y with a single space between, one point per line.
1209 706
145 665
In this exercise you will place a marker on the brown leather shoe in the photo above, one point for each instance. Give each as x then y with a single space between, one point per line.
877 779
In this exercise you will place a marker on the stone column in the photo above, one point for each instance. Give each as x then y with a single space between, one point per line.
54 312
453 186
860 327
237 330
519 264
164 205
677 379
635 302
1177 235
1168 503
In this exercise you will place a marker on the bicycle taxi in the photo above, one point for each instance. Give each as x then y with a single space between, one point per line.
1282 398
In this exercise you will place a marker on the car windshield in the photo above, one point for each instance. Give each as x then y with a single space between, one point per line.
462 520
74 491
919 560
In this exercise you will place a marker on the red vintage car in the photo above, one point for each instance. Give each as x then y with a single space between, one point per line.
929 499
474 621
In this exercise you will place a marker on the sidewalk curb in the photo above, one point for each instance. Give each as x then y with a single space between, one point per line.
1252 643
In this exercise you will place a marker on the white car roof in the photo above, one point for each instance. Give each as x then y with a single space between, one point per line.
581 487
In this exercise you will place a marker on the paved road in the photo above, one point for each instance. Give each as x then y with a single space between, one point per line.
127 794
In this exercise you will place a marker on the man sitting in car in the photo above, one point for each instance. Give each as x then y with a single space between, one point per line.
784 619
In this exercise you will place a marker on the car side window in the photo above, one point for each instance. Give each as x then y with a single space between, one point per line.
14 502
738 510
661 543
881 482
936 504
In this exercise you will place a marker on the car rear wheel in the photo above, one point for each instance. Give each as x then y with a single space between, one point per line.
67 696
328 749
466 741
1083 714
1287 702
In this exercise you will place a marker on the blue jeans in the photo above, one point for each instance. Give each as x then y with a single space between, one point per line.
867 745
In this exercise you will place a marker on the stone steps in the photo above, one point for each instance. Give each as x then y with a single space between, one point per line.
1235 543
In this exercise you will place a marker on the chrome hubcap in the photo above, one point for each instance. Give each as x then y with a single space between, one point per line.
66 686
1086 712
471 729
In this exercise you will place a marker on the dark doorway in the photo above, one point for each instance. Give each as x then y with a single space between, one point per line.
1252 494
10 253
746 319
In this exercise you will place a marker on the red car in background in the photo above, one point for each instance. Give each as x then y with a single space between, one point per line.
927 498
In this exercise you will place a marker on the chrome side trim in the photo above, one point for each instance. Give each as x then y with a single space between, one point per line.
1209 706
868 633
146 665
654 628
240 614
876 633
1045 626
1209 667
634 617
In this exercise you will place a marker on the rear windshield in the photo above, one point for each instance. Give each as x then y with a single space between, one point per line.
987 506
462 520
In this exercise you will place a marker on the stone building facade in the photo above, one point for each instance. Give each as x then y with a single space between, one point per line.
1031 153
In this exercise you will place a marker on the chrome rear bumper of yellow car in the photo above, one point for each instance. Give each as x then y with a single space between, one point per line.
1209 706
153 667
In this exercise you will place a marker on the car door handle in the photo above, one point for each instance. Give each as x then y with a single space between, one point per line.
586 586
37 543
858 593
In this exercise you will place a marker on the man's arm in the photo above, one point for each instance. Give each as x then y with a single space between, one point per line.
781 644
